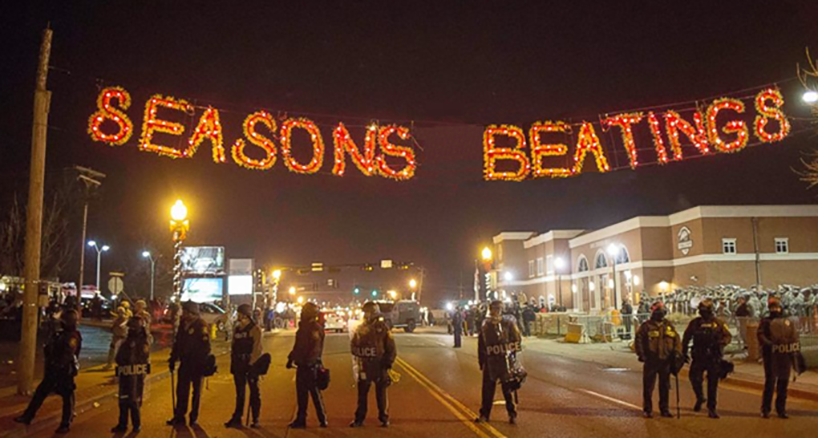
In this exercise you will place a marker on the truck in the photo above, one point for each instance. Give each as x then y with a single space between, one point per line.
403 314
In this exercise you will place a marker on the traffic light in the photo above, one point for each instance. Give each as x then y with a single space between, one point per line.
374 293
367 267
357 290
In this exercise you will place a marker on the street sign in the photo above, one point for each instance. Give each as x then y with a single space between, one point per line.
115 285
317 267
386 264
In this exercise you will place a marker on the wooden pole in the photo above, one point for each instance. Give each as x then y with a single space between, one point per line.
34 222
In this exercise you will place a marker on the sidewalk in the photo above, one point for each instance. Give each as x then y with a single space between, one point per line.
93 386
618 355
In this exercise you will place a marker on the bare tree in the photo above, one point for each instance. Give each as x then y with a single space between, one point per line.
56 234
808 75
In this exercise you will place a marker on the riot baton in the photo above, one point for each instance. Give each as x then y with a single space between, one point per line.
173 392
678 409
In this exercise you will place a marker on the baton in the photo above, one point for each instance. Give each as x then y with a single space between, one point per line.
173 392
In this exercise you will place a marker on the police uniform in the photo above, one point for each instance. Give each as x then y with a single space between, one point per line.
709 337
374 350
245 351
61 366
457 326
656 343
779 340
499 341
306 354
132 362
191 348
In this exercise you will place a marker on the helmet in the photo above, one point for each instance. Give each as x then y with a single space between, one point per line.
706 305
136 323
371 308
658 305
246 310
190 308
309 311
125 304
141 304
774 302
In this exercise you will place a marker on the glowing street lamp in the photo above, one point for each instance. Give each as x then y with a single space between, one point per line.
486 254
179 225
100 250
508 276
292 290
393 294
147 255
300 300
413 283
810 96
277 274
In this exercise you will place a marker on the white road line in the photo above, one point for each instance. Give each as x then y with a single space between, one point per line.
611 399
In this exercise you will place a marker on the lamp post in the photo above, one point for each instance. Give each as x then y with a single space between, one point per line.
147 255
559 263
179 225
276 278
487 257
100 250
613 251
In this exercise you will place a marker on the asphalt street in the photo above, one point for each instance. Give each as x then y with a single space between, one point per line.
439 393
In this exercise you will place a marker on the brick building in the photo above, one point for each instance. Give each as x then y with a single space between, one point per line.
708 245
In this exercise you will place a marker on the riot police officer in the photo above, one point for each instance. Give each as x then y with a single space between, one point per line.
778 338
245 351
132 360
61 365
306 355
373 349
191 348
457 326
709 335
657 343
497 345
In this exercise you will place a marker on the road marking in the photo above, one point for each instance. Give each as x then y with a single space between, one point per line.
611 399
439 397
453 401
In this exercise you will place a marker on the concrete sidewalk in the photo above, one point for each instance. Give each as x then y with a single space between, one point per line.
619 355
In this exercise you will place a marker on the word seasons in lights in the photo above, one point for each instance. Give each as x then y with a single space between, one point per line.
718 129
378 155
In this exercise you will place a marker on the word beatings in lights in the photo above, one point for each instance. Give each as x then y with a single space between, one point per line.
384 152
722 126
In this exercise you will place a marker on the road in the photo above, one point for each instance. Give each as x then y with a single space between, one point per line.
439 393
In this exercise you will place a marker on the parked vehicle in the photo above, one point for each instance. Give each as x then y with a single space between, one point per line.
403 314
334 322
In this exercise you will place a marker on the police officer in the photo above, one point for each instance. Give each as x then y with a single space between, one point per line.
497 344
709 335
132 362
306 355
656 344
61 365
374 351
191 348
778 338
457 326
245 351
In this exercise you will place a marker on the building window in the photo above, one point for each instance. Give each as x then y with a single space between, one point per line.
531 268
728 246
782 245
582 265
549 265
539 266
601 261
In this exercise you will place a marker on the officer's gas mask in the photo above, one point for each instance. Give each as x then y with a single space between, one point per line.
706 309
658 312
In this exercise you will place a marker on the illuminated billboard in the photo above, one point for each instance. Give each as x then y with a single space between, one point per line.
203 260
203 290
240 284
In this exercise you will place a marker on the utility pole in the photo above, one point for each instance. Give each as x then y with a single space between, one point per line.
91 178
34 222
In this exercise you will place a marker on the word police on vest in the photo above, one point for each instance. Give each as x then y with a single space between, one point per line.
504 348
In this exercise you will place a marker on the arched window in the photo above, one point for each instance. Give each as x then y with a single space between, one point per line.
623 256
600 261
582 263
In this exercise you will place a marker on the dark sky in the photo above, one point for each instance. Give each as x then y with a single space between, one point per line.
462 65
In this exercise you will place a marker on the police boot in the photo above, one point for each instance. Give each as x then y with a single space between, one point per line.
23 420
713 414
234 422
698 406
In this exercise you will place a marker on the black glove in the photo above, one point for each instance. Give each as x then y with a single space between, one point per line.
172 366
289 364
641 358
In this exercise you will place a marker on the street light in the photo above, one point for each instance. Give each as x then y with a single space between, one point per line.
292 290
393 294
810 96
179 225
100 250
413 283
559 263
147 255
486 254
277 274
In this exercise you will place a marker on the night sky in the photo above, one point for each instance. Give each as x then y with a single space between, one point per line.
448 67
